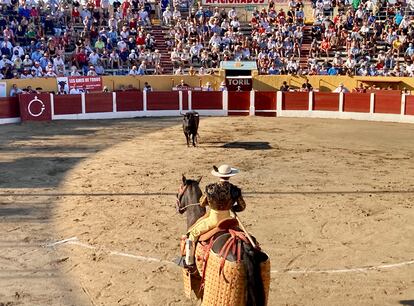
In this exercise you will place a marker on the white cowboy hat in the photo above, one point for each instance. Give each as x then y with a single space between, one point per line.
224 171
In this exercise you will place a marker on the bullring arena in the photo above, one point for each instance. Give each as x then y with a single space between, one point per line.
87 208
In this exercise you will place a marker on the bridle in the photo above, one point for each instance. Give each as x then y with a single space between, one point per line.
181 190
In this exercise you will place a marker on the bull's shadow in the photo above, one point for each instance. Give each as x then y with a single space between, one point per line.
248 145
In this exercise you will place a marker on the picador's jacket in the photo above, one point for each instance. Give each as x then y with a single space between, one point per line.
223 196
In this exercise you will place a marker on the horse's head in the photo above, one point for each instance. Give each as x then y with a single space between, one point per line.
188 194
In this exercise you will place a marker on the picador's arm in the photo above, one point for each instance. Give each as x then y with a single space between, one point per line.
239 204
203 201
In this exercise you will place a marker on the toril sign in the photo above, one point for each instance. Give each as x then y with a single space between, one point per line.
239 84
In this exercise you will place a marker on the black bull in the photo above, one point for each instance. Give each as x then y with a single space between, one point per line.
190 126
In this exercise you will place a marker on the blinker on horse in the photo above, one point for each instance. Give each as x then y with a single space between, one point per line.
225 252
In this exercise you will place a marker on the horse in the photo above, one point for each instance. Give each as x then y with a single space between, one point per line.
190 127
229 246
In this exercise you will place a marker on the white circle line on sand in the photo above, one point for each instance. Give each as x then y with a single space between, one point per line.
75 241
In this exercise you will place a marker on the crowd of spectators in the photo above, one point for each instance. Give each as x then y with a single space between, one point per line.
365 37
346 38
91 37
96 37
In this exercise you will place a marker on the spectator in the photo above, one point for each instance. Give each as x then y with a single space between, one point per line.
307 86
208 87
341 88
133 71
182 85
14 91
91 71
75 91
284 87
147 87
223 86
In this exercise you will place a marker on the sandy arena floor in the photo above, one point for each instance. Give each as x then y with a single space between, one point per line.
330 201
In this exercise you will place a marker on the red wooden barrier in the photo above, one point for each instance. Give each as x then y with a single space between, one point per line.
9 107
409 105
101 102
326 101
387 104
265 100
67 104
163 100
35 107
295 101
207 100
357 102
129 101
239 102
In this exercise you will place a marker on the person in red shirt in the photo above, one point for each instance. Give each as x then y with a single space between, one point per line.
125 6
325 46
140 39
34 13
133 23
75 15
81 59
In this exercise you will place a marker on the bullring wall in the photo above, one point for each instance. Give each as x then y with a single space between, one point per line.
381 106
260 82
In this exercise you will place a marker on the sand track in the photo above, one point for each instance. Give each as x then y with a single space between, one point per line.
321 194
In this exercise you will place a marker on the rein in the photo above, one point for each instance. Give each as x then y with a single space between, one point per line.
180 194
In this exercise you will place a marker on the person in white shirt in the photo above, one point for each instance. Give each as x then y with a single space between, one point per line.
176 15
215 41
133 57
121 45
59 64
75 91
37 70
93 58
232 13
74 71
175 58
133 71
179 71
27 62
156 57
50 73
19 49
166 16
5 61
26 74
341 88
91 71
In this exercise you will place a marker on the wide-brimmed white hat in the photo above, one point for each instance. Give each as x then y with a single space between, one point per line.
224 171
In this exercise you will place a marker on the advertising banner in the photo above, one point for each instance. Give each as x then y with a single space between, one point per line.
90 83
234 3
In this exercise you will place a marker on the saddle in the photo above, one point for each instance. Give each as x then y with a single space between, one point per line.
222 226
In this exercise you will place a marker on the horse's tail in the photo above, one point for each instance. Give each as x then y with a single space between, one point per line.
255 291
